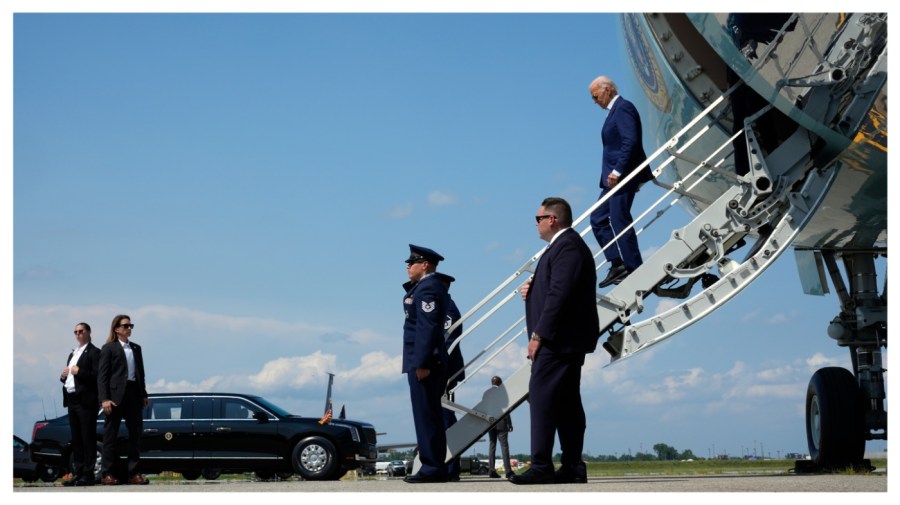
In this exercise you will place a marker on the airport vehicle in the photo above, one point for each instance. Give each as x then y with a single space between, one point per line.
473 466
23 467
815 141
396 469
213 433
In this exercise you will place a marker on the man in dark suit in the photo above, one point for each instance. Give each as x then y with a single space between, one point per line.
425 361
561 316
123 394
79 379
623 152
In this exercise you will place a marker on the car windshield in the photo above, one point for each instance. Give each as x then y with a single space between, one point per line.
271 406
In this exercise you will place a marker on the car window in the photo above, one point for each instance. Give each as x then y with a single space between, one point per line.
235 408
203 408
164 409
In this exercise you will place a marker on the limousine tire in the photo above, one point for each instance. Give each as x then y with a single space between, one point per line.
315 458
190 474
211 473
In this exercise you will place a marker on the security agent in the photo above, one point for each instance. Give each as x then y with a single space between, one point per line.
425 360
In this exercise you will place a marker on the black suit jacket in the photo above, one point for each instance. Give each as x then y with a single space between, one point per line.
561 303
86 378
113 374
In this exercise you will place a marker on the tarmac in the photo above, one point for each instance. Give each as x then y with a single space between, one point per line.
876 482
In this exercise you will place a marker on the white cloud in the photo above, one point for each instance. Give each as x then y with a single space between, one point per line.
819 360
39 272
375 368
774 390
440 199
294 372
750 317
400 211
782 317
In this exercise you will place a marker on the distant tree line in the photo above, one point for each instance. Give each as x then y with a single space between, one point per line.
661 452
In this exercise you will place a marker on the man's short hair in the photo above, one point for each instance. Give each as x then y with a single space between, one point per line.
560 208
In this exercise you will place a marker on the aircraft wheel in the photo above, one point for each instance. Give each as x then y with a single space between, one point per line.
835 428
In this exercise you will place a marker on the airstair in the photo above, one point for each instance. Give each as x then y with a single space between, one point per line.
756 216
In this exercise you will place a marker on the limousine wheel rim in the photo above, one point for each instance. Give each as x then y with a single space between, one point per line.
314 457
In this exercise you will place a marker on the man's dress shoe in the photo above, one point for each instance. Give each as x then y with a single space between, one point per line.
138 480
569 477
418 478
532 477
615 276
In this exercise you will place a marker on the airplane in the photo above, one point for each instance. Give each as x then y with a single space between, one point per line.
820 86
772 131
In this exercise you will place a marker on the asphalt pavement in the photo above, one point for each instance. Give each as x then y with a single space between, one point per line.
876 482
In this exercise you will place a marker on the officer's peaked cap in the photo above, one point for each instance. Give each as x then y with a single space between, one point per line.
417 254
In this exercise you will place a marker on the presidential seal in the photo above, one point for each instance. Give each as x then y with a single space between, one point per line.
644 63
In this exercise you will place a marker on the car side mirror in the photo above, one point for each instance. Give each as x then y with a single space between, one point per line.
261 417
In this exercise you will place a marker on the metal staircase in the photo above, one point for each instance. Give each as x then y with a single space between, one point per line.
757 216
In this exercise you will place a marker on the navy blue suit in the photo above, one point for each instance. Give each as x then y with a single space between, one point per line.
561 308
83 409
623 151
425 306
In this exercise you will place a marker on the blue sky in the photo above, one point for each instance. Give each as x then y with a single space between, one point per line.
245 187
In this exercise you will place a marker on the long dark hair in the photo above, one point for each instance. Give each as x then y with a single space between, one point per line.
115 323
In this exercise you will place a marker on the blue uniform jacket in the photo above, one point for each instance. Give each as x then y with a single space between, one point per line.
425 307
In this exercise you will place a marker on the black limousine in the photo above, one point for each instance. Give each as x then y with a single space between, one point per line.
212 433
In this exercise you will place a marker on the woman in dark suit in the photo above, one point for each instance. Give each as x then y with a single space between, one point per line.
123 394
79 379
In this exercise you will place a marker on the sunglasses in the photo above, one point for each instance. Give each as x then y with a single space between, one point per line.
129 326
538 219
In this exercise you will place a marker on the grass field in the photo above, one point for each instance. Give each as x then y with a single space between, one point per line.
705 467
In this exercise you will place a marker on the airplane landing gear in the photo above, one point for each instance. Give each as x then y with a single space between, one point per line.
835 427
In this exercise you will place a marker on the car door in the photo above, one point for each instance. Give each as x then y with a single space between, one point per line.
237 434
168 432
203 418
